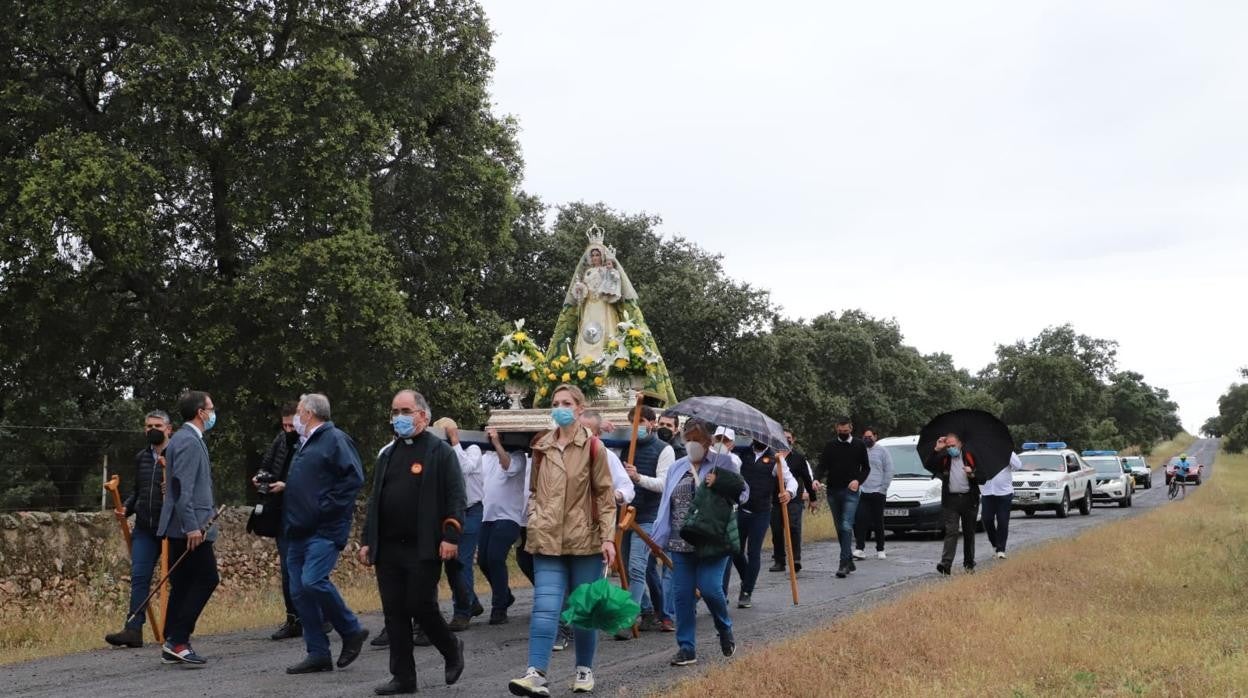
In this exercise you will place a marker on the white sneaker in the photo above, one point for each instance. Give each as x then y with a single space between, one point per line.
1000 554
859 555
584 682
533 683
881 556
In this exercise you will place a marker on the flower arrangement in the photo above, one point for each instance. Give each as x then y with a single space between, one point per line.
631 352
518 360
585 372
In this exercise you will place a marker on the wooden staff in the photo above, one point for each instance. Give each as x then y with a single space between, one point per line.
211 522
788 535
625 523
113 486
164 558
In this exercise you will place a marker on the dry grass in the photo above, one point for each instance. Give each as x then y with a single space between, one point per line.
1151 605
27 636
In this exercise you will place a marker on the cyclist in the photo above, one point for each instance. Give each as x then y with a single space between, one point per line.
1182 468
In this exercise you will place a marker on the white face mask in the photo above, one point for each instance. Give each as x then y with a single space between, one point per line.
299 426
720 448
696 451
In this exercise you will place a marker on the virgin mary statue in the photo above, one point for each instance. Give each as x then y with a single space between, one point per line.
599 297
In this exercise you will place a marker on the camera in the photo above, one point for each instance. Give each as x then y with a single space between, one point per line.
264 479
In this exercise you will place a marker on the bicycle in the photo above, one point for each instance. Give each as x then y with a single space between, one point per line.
1176 481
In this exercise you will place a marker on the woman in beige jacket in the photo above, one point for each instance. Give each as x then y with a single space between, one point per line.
571 534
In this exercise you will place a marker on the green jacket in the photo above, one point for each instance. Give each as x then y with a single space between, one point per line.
710 527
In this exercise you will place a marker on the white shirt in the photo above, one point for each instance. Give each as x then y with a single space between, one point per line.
958 481
619 477
470 464
790 482
506 490
1002 483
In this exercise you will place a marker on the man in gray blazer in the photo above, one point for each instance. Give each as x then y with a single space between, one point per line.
186 510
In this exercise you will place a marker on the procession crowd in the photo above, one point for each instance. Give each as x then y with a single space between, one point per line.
698 509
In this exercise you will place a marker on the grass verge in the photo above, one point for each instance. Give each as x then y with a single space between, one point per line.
1150 605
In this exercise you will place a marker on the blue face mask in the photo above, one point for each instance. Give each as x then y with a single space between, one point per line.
404 425
211 421
563 416
953 451
643 431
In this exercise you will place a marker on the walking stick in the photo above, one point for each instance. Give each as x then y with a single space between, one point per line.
211 522
164 558
788 535
113 486
626 521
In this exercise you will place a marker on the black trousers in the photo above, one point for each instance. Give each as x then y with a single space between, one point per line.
870 519
959 510
795 531
190 586
524 558
409 590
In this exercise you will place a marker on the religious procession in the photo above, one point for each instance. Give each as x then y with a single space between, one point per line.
626 507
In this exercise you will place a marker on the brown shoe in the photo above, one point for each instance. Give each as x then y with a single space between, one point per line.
459 624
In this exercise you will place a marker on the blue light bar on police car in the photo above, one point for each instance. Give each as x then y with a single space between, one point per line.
1087 454
1044 445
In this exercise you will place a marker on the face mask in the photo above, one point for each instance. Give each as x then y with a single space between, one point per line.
720 448
211 421
299 428
665 434
643 431
759 446
292 437
696 451
845 437
563 416
155 437
953 451
869 441
404 425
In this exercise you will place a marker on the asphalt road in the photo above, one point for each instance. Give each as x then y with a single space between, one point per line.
249 664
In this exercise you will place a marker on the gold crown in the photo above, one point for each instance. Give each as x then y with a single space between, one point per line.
595 234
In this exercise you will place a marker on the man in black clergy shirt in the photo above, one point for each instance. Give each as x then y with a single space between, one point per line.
845 464
415 514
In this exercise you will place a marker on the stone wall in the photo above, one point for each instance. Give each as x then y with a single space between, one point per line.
68 558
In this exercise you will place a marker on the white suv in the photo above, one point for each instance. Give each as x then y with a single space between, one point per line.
1052 477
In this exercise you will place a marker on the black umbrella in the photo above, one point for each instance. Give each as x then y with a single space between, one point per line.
736 415
987 438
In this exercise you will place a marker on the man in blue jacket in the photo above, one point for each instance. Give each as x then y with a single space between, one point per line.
185 511
319 501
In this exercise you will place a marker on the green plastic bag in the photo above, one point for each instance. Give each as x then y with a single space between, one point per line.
601 605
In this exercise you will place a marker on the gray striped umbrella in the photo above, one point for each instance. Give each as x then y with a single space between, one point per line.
736 415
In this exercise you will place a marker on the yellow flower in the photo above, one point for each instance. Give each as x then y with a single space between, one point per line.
542 391
621 363
587 360
598 380
581 374
634 332
498 356
519 336
550 376
502 374
638 351
613 344
566 377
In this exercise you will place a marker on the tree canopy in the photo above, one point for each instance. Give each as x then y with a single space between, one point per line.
266 198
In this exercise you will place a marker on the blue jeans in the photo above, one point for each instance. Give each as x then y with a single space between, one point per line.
316 598
283 553
554 576
669 601
751 526
654 587
465 595
707 575
638 559
144 552
494 545
844 504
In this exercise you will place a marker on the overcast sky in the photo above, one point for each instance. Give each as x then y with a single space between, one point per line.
977 171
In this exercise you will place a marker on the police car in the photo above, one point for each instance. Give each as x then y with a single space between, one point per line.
1053 477
1114 480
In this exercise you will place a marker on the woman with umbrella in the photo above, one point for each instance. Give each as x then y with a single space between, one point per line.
705 484
571 534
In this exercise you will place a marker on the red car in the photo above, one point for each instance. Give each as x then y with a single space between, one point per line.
1193 470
